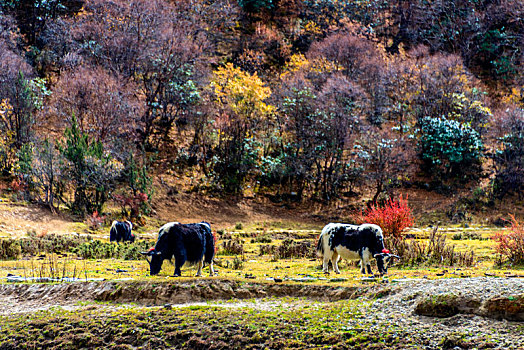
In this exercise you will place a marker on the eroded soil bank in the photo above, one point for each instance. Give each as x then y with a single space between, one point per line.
176 292
459 313
498 298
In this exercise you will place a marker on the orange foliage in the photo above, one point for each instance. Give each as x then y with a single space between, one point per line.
393 217
510 243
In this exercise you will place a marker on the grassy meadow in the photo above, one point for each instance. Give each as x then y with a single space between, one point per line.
260 252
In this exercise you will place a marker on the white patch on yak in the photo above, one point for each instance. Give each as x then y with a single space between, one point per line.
166 228
206 224
348 254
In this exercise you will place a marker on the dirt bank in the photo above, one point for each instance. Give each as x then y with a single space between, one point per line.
498 298
147 293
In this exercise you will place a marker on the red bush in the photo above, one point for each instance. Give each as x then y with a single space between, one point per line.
134 202
510 243
95 221
393 217
18 185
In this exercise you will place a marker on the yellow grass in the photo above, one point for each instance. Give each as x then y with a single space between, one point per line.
256 267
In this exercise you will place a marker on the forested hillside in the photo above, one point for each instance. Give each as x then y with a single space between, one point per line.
302 100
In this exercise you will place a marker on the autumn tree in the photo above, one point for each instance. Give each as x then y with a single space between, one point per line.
103 104
361 62
437 101
508 155
21 95
39 165
153 45
242 113
33 15
385 157
299 116
320 113
87 169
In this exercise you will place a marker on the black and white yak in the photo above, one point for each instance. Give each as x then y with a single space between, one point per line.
191 243
353 242
121 231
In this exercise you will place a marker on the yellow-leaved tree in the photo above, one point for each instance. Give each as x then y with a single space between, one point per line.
241 94
7 151
241 120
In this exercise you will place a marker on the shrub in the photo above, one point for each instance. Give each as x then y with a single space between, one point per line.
238 264
18 187
95 221
101 250
292 249
436 252
9 249
261 239
50 243
510 243
467 236
233 247
136 204
34 245
393 217
447 147
266 249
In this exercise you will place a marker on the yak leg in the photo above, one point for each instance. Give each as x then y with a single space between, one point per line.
178 271
199 266
362 267
365 257
334 261
180 260
325 263
211 270
365 265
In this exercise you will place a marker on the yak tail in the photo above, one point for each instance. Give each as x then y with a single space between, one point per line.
320 245
112 232
210 245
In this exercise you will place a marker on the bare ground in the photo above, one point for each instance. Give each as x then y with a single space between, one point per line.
16 220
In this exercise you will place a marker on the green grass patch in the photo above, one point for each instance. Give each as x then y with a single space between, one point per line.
289 324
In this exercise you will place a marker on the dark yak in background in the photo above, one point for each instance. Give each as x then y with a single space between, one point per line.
121 231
